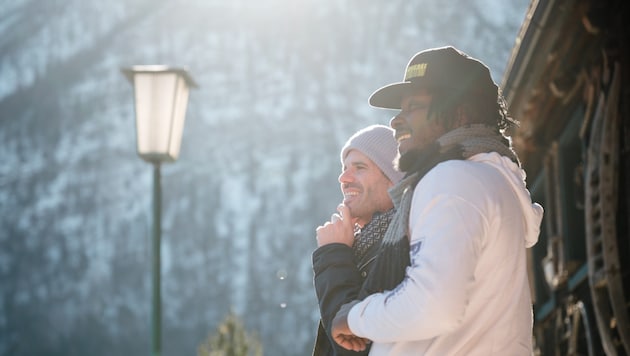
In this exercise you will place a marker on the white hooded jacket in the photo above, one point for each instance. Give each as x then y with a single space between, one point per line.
466 291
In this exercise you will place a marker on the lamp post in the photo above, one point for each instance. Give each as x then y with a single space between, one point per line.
161 98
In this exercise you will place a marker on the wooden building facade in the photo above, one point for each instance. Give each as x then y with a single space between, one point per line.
568 84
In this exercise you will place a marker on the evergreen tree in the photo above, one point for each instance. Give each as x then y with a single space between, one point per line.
231 339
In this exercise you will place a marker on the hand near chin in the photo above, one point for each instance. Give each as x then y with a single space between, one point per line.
341 332
340 228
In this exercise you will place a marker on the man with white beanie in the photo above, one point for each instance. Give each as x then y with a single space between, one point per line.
346 247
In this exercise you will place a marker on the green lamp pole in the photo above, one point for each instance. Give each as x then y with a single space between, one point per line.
161 98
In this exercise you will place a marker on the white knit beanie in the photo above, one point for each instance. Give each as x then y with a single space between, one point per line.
377 142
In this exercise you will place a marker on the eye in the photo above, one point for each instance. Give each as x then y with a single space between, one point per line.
416 106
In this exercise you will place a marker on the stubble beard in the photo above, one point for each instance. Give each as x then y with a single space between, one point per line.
406 162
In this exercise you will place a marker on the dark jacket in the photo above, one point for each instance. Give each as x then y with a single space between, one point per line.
337 281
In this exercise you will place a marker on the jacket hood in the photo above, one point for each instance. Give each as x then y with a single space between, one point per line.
532 212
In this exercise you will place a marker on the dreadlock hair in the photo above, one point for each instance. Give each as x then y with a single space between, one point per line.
480 108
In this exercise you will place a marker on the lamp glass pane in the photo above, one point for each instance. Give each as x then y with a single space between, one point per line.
179 116
154 111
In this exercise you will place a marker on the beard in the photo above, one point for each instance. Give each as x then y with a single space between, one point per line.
407 161
417 158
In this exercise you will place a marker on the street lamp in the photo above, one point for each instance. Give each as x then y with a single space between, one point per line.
161 98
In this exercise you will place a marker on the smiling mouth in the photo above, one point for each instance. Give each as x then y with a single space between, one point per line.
403 137
348 195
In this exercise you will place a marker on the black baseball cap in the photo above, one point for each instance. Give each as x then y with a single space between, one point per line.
442 67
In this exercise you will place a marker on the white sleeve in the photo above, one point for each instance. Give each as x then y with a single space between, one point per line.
446 239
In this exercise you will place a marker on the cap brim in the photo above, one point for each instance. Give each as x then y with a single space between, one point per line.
389 96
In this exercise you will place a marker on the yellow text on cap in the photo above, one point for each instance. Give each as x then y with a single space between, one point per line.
416 70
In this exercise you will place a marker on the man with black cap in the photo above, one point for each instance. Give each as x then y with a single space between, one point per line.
348 242
464 218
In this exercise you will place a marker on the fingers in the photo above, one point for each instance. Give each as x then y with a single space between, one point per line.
341 331
339 229
343 210
351 342
346 216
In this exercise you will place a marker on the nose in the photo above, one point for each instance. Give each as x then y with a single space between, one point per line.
396 121
346 177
